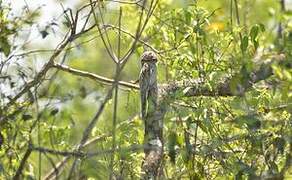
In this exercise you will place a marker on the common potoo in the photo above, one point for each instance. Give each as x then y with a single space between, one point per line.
148 83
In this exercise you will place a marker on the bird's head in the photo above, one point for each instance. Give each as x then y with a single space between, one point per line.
149 57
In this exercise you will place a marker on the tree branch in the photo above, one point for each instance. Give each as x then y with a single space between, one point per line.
226 87
93 76
80 154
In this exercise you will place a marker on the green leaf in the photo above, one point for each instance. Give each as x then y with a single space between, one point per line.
188 17
256 44
262 27
254 32
244 44
288 12
5 47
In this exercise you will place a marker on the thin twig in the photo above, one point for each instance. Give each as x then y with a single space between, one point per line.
97 25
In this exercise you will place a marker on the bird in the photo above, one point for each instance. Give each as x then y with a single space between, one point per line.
148 83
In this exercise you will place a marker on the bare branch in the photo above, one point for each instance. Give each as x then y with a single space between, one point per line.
105 41
80 154
93 76
132 36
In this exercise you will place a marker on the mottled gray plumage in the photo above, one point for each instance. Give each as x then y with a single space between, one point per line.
148 83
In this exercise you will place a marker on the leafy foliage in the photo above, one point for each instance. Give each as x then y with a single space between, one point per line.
243 137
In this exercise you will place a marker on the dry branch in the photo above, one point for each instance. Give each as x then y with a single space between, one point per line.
95 77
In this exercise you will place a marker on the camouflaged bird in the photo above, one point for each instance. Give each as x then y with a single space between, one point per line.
148 83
